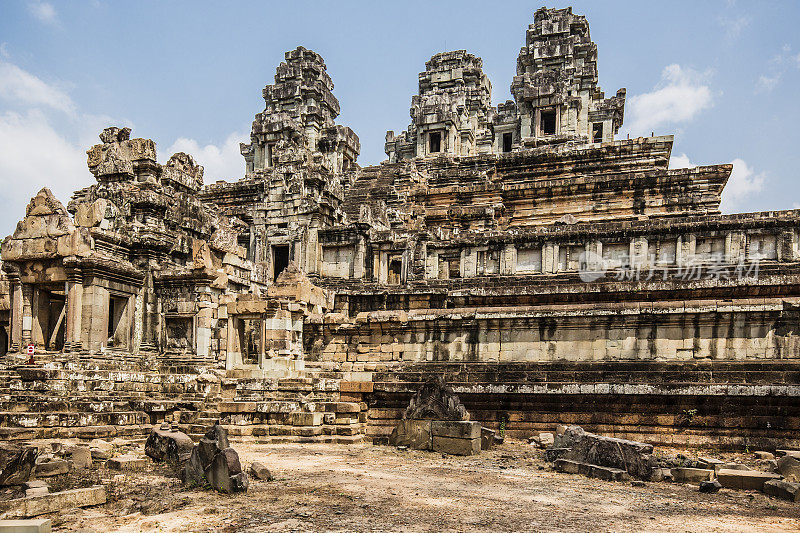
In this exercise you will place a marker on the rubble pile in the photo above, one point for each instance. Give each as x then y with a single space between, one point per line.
214 463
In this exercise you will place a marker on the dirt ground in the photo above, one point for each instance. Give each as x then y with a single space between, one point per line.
378 488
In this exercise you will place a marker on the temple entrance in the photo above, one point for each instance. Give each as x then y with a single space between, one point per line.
3 341
250 340
280 259
117 321
49 320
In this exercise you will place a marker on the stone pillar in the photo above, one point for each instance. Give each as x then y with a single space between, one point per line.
16 315
74 311
27 314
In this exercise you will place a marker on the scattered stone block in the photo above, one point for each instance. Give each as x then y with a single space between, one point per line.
546 439
551 454
167 445
259 471
37 491
455 446
80 456
225 473
416 434
710 487
691 475
455 429
782 489
745 479
16 463
126 463
596 471
789 467
54 467
26 526
764 455
710 463
487 438
661 474
60 501
783 453
633 457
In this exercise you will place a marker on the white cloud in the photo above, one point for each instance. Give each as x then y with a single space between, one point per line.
680 161
734 26
18 86
43 11
766 84
221 162
35 155
680 95
777 66
743 183
4 50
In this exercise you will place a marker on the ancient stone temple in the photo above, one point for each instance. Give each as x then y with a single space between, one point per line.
548 272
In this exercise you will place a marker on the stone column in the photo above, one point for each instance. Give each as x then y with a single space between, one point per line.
27 314
16 314
74 311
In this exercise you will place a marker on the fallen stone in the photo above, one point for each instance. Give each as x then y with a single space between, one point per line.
691 475
733 466
80 456
456 446
487 438
710 487
259 471
37 491
546 439
560 429
710 463
456 429
16 463
60 501
783 453
166 445
782 489
126 462
100 444
99 455
225 473
416 434
744 479
218 434
789 467
551 454
764 455
633 457
26 526
661 474
55 467
768 465
596 471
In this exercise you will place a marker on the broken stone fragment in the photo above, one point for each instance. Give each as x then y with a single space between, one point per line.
783 489
16 463
80 456
166 445
789 467
259 471
710 487
225 473
764 456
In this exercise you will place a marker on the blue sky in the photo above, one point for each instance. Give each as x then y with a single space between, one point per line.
723 76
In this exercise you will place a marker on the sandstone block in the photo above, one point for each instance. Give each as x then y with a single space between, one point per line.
745 479
259 471
487 438
692 475
60 501
168 445
456 446
415 434
52 468
782 489
225 473
26 526
81 456
789 467
127 462
456 429
306 419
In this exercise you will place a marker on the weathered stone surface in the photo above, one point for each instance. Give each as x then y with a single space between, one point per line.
633 457
26 526
744 479
16 463
435 400
596 471
259 471
456 446
168 445
691 475
487 438
59 501
710 487
789 467
764 455
79 456
415 434
225 472
126 463
455 429
782 489
52 467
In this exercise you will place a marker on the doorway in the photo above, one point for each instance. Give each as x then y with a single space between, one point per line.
280 259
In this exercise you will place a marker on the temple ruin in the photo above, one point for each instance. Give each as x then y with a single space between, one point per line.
548 271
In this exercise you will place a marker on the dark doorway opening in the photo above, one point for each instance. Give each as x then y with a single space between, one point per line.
280 260
548 122
597 132
435 142
3 340
117 323
508 140
395 270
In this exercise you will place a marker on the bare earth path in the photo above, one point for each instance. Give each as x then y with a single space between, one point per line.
377 488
